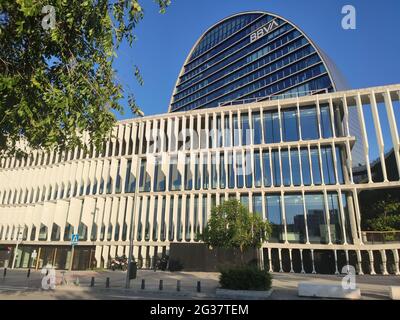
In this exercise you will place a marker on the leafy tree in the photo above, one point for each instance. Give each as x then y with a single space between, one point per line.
387 215
231 225
58 82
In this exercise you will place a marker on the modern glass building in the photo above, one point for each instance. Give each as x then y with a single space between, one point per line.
302 162
251 56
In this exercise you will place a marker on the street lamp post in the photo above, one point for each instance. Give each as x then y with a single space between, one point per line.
19 240
128 280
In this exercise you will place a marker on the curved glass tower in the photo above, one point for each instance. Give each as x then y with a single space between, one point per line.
252 55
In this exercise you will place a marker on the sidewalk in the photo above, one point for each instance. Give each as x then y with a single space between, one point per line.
284 285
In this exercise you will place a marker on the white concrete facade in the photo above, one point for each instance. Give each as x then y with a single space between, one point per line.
94 194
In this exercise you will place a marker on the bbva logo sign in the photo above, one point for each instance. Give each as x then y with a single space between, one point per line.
263 31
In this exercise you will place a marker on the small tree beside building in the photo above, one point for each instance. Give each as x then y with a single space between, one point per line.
232 226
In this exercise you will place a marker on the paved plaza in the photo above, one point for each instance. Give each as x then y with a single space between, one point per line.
16 285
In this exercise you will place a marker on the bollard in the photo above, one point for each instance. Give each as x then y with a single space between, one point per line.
29 273
107 282
198 286
92 282
160 285
5 272
178 285
143 285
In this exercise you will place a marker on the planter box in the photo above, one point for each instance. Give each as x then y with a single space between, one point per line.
307 289
394 292
243 294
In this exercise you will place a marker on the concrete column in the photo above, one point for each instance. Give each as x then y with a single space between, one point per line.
371 262
291 261
270 259
280 260
384 263
151 255
301 259
352 216
359 262
97 255
336 265
312 260
396 261
347 260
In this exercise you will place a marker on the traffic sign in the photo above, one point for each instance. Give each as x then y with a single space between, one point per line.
74 239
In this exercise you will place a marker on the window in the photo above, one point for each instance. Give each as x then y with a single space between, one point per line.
290 126
130 180
326 124
309 123
273 211
246 134
227 129
285 167
235 132
231 172
205 171
82 231
214 177
327 165
249 170
339 165
55 232
266 168
188 173
257 132
219 132
271 127
305 166
179 219
118 179
316 219
222 175
257 204
159 176
197 176
188 226
244 200
196 228
295 224
276 168
175 179
42 232
257 169
316 169
144 177
163 226
155 222
294 158
239 170
171 226
335 218
204 210
147 223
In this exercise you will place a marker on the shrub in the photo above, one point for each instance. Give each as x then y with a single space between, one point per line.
175 265
245 278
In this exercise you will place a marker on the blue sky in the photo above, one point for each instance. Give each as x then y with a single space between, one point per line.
367 56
